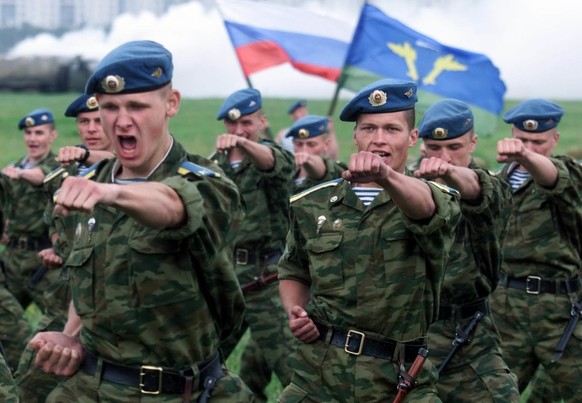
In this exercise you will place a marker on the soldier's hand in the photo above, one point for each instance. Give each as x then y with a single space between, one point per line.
226 142
432 168
50 259
302 326
366 167
78 193
12 172
70 154
510 149
57 353
301 158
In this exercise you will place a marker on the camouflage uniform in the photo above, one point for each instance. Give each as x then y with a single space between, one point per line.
15 330
372 270
477 371
28 234
7 389
156 297
542 252
32 382
260 242
333 170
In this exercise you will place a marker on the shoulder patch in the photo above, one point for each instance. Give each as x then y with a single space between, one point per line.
54 173
187 167
315 188
446 189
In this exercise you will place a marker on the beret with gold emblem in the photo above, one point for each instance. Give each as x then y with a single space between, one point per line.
382 96
308 126
84 103
240 103
446 119
137 66
36 118
535 115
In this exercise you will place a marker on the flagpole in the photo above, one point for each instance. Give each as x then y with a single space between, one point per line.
340 80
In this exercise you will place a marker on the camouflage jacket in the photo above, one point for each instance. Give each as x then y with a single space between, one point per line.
475 258
333 170
160 297
25 203
369 268
543 234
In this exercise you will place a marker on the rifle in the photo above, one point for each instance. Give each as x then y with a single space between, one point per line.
575 314
461 337
407 380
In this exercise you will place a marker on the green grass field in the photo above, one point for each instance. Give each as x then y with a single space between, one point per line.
196 127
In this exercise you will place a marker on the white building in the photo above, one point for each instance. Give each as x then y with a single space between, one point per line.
53 14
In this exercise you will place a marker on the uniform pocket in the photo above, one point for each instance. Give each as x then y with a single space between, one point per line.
79 265
161 272
325 261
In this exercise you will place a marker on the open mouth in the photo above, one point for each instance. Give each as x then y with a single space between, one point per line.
127 143
381 154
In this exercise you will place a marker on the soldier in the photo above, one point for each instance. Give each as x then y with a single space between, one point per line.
25 232
537 303
311 143
263 172
464 342
33 384
362 271
296 111
151 277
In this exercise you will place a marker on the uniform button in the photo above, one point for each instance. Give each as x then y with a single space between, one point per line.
333 199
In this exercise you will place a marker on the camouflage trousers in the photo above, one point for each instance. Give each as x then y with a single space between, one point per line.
21 265
85 388
326 373
477 371
15 330
542 388
7 388
271 341
531 327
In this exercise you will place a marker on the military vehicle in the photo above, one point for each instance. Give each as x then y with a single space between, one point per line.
45 73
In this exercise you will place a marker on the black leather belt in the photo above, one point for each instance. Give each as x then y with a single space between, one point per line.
29 244
536 284
464 311
154 380
245 256
358 343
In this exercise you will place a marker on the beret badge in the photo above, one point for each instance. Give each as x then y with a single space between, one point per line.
303 133
113 84
92 103
29 122
234 114
530 124
157 72
377 98
440 133
409 93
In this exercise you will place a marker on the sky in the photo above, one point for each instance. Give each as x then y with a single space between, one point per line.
534 43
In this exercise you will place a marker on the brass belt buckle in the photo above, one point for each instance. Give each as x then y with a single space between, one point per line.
142 373
242 256
531 290
360 347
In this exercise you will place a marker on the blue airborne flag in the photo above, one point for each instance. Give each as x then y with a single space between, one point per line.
382 47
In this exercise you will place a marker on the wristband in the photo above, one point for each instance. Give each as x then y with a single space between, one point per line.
85 156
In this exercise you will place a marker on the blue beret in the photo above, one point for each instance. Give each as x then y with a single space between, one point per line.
445 120
36 118
387 95
308 126
534 115
84 103
137 66
296 105
241 103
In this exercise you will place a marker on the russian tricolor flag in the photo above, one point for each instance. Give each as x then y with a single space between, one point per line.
265 35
